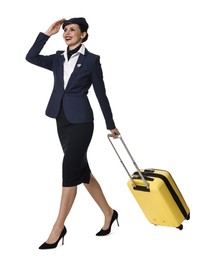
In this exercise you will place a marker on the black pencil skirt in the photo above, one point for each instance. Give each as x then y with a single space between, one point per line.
74 139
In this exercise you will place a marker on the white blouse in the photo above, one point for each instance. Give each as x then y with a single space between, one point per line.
69 65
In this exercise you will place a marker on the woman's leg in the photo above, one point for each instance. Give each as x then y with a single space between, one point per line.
96 192
67 199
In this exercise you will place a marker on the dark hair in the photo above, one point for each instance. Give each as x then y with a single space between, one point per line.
82 28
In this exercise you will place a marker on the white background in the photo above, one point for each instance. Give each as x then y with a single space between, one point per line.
158 59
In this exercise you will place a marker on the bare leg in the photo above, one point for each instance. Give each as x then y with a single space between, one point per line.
96 192
67 199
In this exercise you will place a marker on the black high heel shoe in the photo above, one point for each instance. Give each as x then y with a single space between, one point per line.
104 232
50 246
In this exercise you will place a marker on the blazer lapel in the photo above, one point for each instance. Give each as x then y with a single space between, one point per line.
76 70
60 72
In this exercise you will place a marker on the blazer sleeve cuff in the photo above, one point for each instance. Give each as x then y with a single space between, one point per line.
110 125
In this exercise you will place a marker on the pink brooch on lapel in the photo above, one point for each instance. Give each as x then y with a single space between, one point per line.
79 65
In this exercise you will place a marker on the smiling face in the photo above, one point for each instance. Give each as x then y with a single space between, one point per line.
73 36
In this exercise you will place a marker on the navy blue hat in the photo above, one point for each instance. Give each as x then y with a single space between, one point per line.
77 20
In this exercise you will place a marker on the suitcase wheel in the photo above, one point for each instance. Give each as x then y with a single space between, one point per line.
188 217
180 227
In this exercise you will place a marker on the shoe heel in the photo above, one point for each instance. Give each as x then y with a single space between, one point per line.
117 222
49 246
105 232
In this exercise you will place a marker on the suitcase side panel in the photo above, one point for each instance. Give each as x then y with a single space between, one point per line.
174 190
158 205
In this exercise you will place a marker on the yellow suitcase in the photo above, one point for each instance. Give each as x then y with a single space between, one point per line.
157 194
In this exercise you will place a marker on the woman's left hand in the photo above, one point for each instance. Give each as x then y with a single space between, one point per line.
115 133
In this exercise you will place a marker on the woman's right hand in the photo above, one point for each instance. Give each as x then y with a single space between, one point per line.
54 28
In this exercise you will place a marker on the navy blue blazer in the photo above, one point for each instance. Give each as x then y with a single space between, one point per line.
74 98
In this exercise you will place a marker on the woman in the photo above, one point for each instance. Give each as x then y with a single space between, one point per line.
75 70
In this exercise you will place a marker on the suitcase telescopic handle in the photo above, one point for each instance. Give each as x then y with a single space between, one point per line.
126 148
